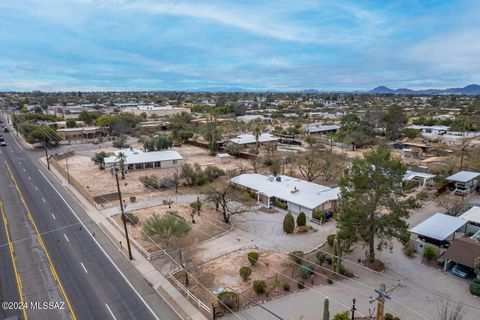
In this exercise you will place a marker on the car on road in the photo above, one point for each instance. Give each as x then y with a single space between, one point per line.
3 144
462 271
96 141
6 129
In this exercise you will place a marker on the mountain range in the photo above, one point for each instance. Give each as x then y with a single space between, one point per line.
470 90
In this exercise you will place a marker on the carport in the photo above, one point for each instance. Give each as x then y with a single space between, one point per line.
439 229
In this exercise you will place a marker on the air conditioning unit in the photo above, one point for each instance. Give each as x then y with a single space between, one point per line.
278 178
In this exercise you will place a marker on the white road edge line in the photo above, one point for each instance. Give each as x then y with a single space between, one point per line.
110 310
16 142
66 237
24 170
84 267
43 199
30 178
53 216
36 188
101 249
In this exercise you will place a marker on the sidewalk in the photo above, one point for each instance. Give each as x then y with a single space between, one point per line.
183 198
184 309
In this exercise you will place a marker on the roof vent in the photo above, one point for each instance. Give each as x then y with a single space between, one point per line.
278 178
294 190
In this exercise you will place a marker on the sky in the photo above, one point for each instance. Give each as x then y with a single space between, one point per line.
99 45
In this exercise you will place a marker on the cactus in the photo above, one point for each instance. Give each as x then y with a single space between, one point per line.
337 251
326 312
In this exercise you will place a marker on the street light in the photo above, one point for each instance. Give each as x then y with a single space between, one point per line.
124 219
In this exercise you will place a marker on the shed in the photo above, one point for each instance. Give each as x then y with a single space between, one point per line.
223 158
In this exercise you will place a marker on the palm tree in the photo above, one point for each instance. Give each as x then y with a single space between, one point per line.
257 132
122 159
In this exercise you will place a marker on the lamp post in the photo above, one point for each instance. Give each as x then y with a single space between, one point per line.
124 219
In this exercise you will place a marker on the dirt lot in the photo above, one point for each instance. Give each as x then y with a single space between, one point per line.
100 182
206 226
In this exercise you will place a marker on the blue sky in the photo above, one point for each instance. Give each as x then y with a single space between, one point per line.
253 44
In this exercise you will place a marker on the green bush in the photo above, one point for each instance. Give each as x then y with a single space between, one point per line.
288 223
259 286
280 205
133 199
409 251
319 215
475 287
330 239
321 257
422 195
228 300
345 315
245 273
301 219
388 316
131 218
286 287
430 253
301 285
296 256
252 257
328 260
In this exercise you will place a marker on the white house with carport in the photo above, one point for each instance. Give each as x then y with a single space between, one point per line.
299 195
322 128
465 182
440 230
137 159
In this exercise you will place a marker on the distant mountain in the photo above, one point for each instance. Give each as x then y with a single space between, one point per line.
470 90
382 90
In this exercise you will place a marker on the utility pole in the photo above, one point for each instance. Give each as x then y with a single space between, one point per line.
353 308
383 294
123 215
46 152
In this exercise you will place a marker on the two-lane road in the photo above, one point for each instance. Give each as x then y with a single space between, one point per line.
98 281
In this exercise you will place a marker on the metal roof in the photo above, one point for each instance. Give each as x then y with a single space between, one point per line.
409 175
439 226
250 138
464 176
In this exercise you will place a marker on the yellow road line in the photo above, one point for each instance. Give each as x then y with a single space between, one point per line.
40 240
12 256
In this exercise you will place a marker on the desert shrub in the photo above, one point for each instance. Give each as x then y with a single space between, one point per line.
430 253
301 219
409 251
475 287
131 218
252 257
288 223
307 270
228 300
422 195
329 281
321 257
120 144
388 316
301 285
286 287
133 199
345 315
213 172
259 286
245 273
330 239
280 205
328 260
296 256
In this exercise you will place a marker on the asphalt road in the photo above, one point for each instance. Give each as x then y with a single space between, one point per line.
92 282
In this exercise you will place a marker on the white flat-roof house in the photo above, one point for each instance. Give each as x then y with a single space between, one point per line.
465 182
425 179
299 195
152 110
248 139
138 159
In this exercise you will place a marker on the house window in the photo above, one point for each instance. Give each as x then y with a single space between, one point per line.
174 161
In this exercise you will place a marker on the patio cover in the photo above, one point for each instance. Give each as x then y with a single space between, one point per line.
472 215
439 226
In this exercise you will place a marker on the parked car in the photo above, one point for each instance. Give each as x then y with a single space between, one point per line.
462 271
3 144
6 129
96 141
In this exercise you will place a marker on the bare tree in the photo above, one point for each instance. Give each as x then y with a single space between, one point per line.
223 197
450 310
309 164
451 203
